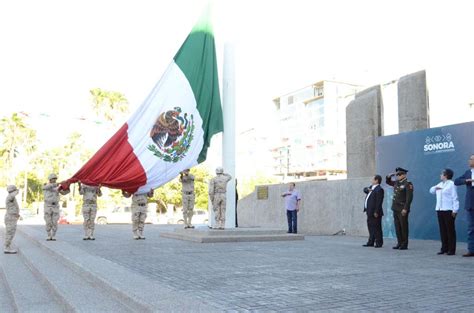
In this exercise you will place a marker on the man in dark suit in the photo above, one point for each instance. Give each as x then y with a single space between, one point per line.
373 208
468 180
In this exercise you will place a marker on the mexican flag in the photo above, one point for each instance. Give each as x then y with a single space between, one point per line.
172 129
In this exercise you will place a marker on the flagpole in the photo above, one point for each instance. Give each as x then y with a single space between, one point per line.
228 137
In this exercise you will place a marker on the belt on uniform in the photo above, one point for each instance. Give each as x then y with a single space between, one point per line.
51 203
141 204
188 192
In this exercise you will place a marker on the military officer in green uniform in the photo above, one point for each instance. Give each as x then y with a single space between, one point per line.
402 197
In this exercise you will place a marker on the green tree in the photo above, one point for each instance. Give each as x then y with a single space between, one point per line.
17 139
170 193
109 104
64 161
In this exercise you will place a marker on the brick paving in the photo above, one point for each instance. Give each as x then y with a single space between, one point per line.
321 273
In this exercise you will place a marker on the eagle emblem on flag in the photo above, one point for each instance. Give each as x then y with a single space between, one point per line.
172 134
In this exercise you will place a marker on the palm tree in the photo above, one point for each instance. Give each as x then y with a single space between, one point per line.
108 104
17 138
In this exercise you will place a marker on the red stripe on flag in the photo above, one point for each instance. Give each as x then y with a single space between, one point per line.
115 165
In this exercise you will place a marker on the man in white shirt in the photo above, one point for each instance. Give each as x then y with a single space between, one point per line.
447 206
292 205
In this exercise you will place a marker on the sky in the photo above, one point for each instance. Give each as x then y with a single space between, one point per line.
54 51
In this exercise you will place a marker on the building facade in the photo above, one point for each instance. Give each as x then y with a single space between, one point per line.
312 142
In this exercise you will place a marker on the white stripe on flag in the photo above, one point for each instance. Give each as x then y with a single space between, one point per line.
173 90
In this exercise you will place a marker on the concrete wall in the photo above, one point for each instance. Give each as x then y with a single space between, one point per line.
363 126
326 208
413 104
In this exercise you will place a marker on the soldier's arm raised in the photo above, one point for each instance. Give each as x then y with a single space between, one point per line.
388 180
63 191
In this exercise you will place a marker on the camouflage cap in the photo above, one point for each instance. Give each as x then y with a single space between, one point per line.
11 188
219 170
52 176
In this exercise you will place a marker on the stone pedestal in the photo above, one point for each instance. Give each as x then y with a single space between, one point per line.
413 104
363 126
206 235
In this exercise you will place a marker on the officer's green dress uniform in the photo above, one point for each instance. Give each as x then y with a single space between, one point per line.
402 198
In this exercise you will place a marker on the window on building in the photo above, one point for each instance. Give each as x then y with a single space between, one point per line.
290 100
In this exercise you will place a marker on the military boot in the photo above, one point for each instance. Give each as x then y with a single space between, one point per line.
9 250
53 236
140 234
135 235
86 235
48 238
91 234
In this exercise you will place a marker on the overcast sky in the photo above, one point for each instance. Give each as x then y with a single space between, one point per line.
54 51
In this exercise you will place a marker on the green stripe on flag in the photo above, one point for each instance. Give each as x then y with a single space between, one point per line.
197 60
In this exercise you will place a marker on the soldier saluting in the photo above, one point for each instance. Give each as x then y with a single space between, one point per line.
187 182
402 198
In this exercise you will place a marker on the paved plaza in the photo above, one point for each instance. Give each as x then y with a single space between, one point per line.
321 273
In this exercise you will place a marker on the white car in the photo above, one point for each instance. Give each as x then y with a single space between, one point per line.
118 215
200 217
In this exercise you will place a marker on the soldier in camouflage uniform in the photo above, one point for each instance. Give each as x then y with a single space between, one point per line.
12 215
217 194
139 210
402 198
187 181
89 208
51 192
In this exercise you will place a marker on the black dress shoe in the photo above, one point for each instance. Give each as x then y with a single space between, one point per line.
396 247
378 246
451 253
441 252
403 248
469 254
289 232
368 245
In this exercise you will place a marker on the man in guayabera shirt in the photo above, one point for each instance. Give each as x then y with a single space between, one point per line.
139 212
292 205
51 192
12 215
187 183
89 208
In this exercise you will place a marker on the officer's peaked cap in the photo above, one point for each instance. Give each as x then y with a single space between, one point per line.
401 170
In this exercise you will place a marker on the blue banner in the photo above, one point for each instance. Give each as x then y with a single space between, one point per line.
425 153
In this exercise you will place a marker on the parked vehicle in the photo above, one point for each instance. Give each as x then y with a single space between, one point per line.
26 214
200 217
63 218
119 215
